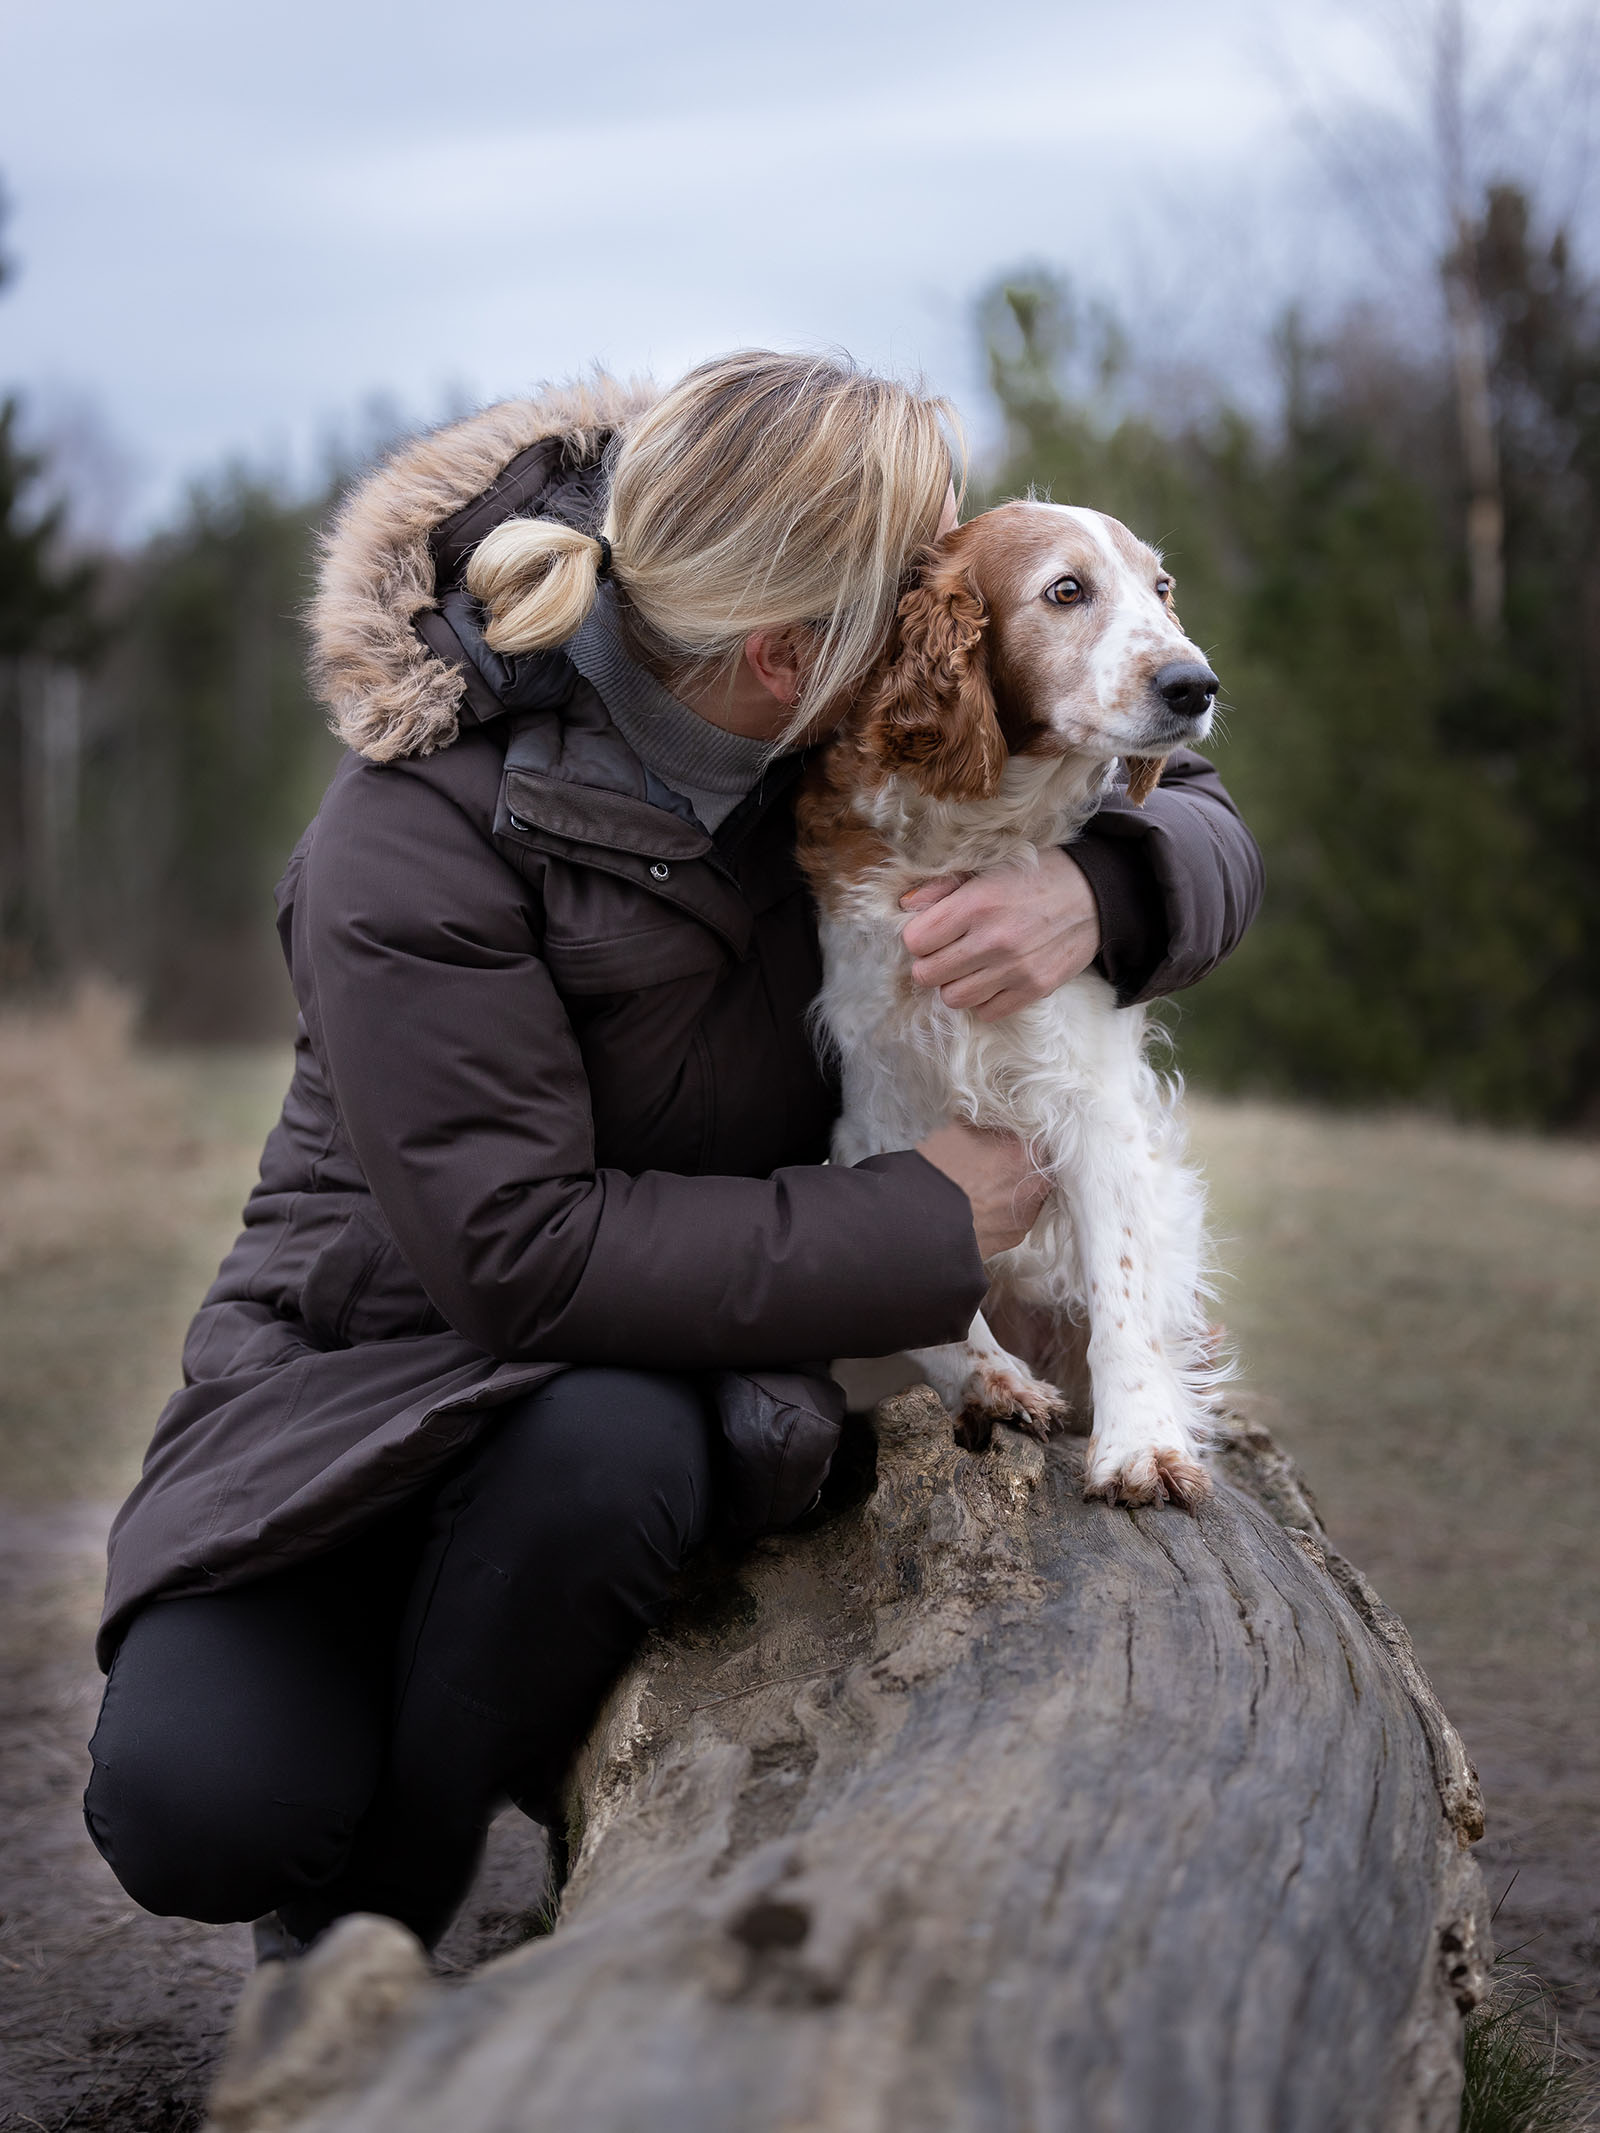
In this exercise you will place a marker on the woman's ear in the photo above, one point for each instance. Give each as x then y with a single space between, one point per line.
931 714
774 657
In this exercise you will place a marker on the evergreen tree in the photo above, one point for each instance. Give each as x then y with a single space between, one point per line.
1423 801
47 605
1534 716
215 759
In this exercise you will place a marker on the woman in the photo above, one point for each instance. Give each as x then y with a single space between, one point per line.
544 1263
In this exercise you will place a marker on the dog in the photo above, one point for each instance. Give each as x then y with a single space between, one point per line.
1037 647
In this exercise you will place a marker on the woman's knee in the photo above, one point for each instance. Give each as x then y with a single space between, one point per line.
189 1844
233 1757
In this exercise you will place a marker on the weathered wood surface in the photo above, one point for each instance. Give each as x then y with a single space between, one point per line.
977 1807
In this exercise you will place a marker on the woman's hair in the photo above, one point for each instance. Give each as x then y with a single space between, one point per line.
763 492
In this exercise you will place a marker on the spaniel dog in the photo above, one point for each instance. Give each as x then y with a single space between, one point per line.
1037 648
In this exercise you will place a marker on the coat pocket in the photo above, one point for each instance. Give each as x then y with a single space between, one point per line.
360 1288
635 961
780 1429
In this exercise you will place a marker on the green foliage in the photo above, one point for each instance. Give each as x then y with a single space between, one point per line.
1422 800
45 601
214 756
219 690
1517 2077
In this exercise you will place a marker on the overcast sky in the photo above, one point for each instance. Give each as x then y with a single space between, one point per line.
234 224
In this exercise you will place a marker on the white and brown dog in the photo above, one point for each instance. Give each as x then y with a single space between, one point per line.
1038 647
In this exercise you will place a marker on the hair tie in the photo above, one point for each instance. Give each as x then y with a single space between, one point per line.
602 569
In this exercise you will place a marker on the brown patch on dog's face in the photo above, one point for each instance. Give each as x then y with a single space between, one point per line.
1081 621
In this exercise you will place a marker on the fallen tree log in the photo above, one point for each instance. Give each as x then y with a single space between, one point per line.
975 1807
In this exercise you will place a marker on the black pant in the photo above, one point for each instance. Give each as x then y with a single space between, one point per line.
337 1736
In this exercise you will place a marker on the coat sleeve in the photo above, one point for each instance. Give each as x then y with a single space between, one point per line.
462 1088
1177 881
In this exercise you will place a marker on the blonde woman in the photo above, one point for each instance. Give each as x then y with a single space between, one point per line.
544 1264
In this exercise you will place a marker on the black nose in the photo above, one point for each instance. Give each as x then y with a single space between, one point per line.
1187 688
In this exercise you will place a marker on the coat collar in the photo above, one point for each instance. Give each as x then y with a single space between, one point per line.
384 660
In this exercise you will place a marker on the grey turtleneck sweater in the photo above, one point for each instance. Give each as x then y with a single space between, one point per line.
713 769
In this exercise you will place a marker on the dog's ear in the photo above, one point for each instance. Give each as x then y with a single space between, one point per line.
930 713
1144 775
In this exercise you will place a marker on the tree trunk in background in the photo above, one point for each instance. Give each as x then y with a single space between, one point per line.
41 751
1469 335
975 1806
1486 570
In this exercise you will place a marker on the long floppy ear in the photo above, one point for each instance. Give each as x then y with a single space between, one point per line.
1144 775
931 713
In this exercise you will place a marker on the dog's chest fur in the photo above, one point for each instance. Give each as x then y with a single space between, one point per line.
909 1061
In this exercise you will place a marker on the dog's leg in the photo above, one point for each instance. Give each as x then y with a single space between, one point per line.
1033 1312
981 1384
1148 1424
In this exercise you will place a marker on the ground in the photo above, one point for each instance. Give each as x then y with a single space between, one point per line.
1415 1307
1418 1308
123 1180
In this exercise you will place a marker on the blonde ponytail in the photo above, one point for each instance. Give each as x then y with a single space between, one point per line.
537 578
762 492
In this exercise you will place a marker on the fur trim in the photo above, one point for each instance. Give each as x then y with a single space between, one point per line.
386 694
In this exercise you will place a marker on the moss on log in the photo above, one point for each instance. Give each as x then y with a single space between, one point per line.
973 1807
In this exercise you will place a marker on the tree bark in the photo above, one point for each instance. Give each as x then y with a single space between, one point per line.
1469 332
974 1807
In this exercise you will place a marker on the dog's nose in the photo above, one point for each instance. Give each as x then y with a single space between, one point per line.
1187 687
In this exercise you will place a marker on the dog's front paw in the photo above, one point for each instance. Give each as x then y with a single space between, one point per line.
997 1393
1147 1473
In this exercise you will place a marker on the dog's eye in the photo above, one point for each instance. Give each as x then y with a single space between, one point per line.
1064 592
1165 588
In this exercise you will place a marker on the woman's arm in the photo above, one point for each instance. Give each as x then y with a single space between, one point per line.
462 1088
1156 895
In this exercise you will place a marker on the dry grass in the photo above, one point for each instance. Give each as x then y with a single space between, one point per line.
1420 1306
1519 2078
1422 1303
123 1176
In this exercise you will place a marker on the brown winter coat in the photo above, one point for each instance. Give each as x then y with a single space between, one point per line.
554 1100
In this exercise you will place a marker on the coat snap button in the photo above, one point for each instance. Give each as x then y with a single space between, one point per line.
519 823
660 870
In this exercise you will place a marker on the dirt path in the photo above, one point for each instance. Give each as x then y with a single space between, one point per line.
122 1180
1417 1306
110 2020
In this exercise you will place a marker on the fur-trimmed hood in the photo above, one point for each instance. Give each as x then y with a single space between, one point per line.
379 651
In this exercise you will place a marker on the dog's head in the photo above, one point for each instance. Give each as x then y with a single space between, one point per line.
1035 630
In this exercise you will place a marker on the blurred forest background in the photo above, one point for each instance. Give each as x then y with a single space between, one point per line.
1396 570
1398 579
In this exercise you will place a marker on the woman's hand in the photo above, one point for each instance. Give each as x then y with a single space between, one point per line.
1001 940
996 1173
